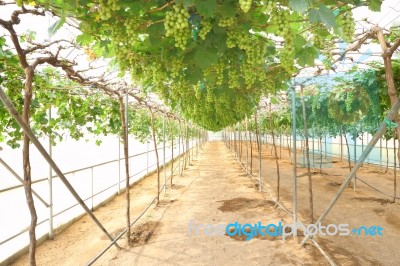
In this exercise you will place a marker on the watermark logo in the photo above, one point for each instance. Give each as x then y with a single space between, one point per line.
280 230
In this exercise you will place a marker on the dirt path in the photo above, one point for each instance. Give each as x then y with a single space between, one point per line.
363 207
212 191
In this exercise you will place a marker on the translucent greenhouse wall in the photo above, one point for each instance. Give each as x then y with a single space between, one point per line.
91 170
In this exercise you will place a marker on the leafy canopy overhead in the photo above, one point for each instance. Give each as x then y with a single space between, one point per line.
211 59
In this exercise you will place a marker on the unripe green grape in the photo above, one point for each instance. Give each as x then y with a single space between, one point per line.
270 5
177 26
226 22
205 28
346 22
107 8
245 5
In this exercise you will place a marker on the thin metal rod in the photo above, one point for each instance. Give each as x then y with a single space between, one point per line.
50 181
164 165
119 165
247 146
390 116
8 104
79 170
355 154
92 178
22 181
259 152
127 127
294 157
147 157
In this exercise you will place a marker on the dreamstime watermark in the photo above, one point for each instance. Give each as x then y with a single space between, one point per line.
280 230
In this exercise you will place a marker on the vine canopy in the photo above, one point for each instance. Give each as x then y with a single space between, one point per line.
211 59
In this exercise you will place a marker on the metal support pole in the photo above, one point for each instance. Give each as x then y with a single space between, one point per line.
164 162
380 153
127 127
91 170
28 131
294 158
259 152
247 146
179 149
187 144
147 159
390 116
355 155
119 165
50 181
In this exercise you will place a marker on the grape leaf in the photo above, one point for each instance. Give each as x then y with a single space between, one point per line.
306 56
206 7
300 6
324 15
375 5
205 57
56 26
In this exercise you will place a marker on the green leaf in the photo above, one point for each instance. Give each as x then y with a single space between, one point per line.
299 42
375 5
84 39
206 7
228 9
194 74
205 57
307 56
300 6
56 26
324 15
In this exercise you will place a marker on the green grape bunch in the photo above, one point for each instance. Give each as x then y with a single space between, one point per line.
349 101
233 78
281 18
107 7
346 22
176 25
245 5
270 5
206 27
226 22
231 40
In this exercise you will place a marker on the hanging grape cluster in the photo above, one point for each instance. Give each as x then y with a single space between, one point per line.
245 5
206 27
226 22
175 67
270 5
107 7
346 22
130 28
281 17
249 74
197 91
349 101
233 78
176 25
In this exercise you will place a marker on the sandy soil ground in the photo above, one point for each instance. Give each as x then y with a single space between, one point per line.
364 206
213 190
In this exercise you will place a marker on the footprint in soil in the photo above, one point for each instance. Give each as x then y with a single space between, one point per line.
177 186
163 203
143 233
383 202
240 203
